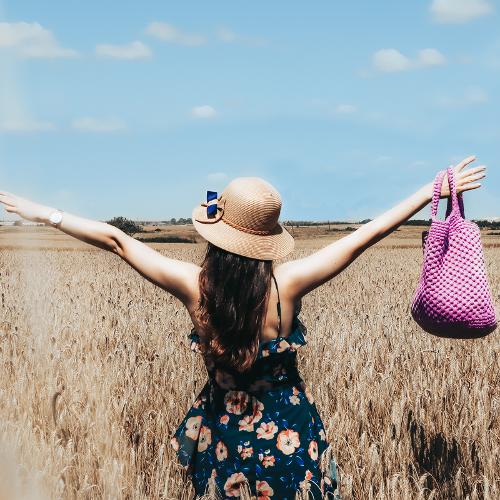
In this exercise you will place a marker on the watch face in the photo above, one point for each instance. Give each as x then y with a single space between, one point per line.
56 217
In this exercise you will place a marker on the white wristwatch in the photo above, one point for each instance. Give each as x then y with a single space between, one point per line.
55 217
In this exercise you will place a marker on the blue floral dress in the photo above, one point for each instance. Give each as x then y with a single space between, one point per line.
260 428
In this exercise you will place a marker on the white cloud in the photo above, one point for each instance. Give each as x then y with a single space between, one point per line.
133 50
391 60
228 36
459 11
476 95
99 125
383 159
31 40
430 57
217 177
25 125
203 112
170 33
345 109
471 96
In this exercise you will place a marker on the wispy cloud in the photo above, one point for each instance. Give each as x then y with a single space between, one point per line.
459 11
25 125
419 163
345 109
491 56
99 125
383 159
15 115
31 40
392 60
471 96
429 57
133 50
204 111
228 36
170 33
217 177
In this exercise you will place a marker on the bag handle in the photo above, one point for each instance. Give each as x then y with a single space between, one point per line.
455 201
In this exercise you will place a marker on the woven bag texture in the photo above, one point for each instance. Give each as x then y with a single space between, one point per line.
453 297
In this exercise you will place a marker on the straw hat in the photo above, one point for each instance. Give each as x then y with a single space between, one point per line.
245 220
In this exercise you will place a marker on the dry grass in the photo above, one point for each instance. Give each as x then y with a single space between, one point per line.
95 376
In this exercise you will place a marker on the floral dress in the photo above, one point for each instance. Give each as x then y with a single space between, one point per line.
260 428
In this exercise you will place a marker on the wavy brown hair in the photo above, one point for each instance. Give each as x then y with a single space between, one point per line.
234 295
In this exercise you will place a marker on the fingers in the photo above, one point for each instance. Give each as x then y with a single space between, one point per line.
473 177
7 202
468 187
465 162
470 171
6 199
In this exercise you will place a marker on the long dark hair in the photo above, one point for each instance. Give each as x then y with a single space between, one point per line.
234 294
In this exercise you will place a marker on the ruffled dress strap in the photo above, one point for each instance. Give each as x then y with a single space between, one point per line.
296 339
278 305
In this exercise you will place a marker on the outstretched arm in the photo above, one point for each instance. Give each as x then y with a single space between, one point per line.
303 275
174 276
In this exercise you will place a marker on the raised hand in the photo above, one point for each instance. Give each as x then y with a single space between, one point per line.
464 179
26 209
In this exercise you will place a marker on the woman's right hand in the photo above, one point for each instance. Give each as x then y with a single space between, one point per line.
25 208
464 179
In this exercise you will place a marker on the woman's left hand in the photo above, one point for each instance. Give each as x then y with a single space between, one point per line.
464 179
26 209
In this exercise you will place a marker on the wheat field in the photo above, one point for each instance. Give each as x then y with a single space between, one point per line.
96 374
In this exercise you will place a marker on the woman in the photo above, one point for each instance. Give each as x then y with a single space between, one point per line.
255 423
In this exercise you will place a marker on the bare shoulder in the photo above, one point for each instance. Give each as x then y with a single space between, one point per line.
288 293
285 276
176 276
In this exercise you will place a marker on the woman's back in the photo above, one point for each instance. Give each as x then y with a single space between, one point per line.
275 323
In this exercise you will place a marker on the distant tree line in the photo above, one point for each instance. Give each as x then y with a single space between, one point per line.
167 239
298 223
130 227
126 225
176 222
488 224
410 222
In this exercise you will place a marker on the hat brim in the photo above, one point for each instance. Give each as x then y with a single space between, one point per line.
263 247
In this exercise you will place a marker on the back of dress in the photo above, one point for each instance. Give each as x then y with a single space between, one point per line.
260 427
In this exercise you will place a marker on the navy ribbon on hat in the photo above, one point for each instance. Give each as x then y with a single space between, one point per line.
211 204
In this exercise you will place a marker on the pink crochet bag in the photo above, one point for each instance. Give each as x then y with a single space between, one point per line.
453 298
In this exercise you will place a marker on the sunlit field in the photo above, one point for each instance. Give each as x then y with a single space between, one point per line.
96 375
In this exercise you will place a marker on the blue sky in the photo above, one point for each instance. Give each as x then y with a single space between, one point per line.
137 108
